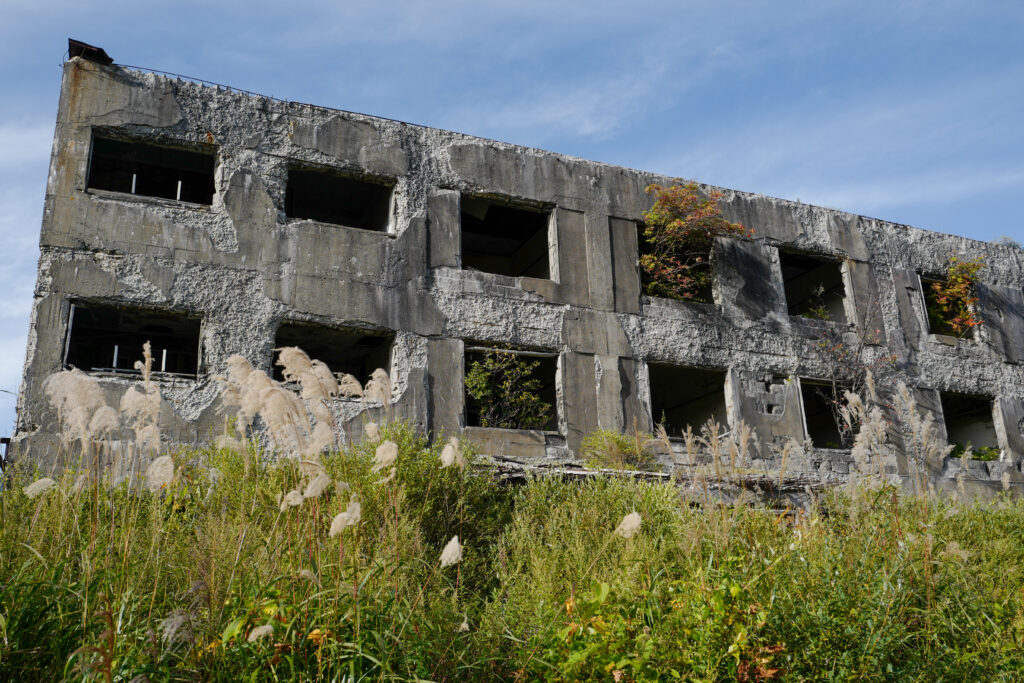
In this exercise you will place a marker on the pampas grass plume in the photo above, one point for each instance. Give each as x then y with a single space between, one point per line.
39 487
371 432
350 517
386 455
452 455
260 632
317 485
629 525
291 499
160 473
452 553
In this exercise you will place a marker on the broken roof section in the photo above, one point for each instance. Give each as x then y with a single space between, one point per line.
77 48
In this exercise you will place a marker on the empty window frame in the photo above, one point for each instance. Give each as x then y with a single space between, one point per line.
813 286
109 338
510 388
331 197
940 320
682 396
823 423
355 352
970 423
501 238
151 170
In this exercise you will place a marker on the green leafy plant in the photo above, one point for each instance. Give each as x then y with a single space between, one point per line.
984 453
504 390
605 448
950 302
816 307
679 232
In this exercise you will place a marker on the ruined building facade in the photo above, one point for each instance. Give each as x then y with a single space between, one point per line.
213 222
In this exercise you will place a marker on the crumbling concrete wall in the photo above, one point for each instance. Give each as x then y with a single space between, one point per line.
246 267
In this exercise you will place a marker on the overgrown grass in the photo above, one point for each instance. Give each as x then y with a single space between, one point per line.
111 584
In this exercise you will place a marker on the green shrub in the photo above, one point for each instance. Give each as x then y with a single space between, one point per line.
608 449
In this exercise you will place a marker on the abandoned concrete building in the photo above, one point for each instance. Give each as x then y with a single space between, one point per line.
214 222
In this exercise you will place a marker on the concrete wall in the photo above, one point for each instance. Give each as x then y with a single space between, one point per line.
245 267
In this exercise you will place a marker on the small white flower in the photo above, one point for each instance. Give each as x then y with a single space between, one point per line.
464 626
452 553
291 499
350 517
629 525
39 487
386 455
260 632
160 473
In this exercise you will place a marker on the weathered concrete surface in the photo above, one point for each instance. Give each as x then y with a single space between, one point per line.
246 267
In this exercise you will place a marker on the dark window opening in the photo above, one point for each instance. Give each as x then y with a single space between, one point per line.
355 352
105 338
822 418
813 286
503 239
510 388
970 424
338 199
150 170
683 396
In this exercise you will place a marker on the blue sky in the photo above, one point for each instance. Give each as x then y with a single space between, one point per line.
908 111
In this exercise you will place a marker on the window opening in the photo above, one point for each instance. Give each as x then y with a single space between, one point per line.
813 286
682 396
151 170
823 421
330 197
510 388
504 239
355 352
105 338
970 423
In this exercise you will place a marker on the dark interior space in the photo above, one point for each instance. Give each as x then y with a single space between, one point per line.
544 371
821 401
682 396
150 170
105 338
813 286
969 421
355 352
338 199
503 239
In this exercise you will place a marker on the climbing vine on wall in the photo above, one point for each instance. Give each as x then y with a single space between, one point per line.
504 390
679 231
951 302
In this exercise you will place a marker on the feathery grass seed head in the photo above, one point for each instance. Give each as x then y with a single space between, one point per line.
317 485
291 499
452 553
343 520
39 487
260 632
629 525
160 473
385 456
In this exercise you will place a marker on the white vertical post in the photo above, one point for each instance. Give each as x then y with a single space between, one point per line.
163 362
179 190
115 356
133 183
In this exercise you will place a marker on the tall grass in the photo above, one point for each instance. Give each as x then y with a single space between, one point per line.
402 559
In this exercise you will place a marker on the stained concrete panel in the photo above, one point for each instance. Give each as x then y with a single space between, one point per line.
866 301
749 283
579 397
353 142
443 224
625 268
1002 313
